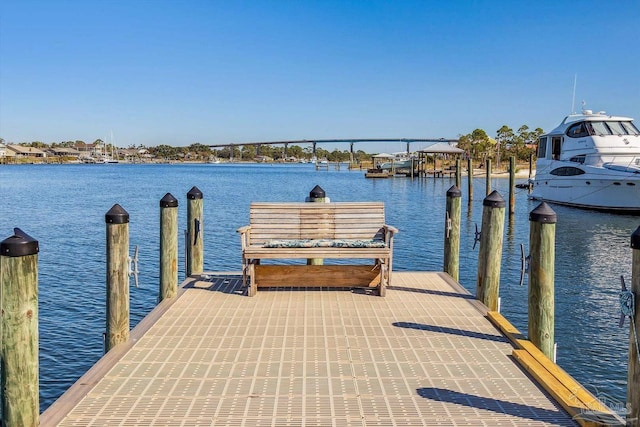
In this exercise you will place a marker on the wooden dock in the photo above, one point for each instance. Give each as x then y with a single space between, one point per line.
424 355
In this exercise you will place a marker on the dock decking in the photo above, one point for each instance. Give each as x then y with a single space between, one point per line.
424 355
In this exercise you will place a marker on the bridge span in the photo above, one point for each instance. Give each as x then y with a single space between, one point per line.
350 141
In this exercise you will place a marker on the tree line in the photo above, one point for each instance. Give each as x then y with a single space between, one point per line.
250 152
520 144
477 144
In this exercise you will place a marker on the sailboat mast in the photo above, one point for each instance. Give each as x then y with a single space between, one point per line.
113 148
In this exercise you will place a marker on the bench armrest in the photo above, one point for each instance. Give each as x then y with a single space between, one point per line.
245 234
390 229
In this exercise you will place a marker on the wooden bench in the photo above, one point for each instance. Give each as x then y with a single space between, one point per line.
345 230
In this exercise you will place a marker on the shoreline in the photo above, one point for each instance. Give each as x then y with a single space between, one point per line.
477 173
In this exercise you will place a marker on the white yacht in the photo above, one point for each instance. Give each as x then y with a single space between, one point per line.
591 160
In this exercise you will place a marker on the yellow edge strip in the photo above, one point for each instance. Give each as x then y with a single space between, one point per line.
569 393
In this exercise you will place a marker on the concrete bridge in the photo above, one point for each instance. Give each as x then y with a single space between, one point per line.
350 141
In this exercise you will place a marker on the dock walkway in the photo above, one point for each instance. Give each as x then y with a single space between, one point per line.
424 355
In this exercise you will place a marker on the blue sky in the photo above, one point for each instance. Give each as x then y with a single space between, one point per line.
179 72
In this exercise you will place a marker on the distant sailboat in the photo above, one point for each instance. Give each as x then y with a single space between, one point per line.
113 157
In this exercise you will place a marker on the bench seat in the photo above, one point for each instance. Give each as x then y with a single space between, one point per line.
346 230
325 243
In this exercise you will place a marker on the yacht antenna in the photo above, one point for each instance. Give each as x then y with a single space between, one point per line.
573 100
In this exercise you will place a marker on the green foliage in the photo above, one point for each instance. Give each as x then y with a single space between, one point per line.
234 152
36 144
198 152
295 151
360 156
477 144
165 152
507 143
339 156
321 153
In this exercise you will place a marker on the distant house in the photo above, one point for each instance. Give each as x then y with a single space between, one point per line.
145 154
94 150
64 152
24 152
6 155
129 154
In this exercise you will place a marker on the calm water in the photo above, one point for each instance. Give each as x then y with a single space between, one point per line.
63 207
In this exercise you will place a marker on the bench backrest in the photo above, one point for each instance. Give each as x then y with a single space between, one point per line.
339 220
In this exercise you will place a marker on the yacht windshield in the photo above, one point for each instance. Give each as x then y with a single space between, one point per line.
600 128
630 128
613 128
616 128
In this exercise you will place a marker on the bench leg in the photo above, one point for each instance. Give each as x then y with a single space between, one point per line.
253 286
384 276
245 268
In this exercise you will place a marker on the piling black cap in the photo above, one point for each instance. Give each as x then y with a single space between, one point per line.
116 215
635 239
317 193
494 200
543 213
168 201
18 245
194 193
454 192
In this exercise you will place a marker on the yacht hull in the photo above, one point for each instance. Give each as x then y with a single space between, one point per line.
601 191
592 161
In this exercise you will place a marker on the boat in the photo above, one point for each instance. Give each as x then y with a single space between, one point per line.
378 173
396 161
396 164
113 156
87 159
591 160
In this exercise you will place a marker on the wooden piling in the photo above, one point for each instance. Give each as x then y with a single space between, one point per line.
530 165
542 238
458 173
530 187
168 247
470 178
452 233
316 195
490 254
195 241
117 220
512 185
633 376
487 169
19 330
